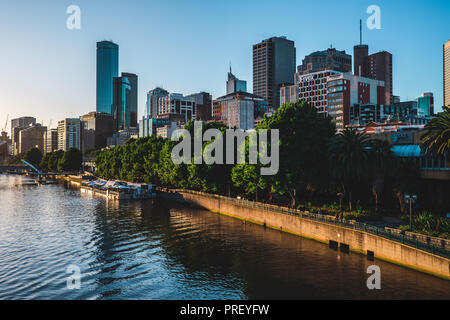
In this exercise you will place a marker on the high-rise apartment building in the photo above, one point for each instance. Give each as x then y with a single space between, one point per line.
96 127
69 134
203 105
446 58
239 109
32 137
346 90
176 108
107 69
330 59
152 101
312 88
289 93
17 125
51 140
376 66
274 62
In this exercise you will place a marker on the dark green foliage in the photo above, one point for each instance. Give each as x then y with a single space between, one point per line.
70 161
33 156
304 136
436 140
60 161
315 165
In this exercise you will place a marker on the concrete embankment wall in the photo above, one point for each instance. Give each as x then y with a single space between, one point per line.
356 240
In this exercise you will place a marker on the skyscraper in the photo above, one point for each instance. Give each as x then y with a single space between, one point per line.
122 116
377 66
32 137
380 68
69 134
425 104
51 140
96 127
17 125
274 62
107 69
360 54
203 105
234 84
132 98
152 101
447 73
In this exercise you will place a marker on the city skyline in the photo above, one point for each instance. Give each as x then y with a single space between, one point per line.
63 85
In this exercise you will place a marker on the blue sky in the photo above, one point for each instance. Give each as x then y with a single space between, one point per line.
186 46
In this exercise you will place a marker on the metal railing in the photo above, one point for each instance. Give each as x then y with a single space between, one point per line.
381 232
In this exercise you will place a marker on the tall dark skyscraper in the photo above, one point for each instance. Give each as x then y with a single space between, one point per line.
274 62
107 69
377 66
380 68
121 89
132 98
360 54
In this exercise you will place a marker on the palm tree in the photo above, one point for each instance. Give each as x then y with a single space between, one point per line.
436 140
381 159
349 154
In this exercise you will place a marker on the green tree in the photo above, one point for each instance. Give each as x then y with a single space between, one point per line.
304 136
53 160
171 174
248 177
33 156
349 154
151 159
70 161
436 139
44 162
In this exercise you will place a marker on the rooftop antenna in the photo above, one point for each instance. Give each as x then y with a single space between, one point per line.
230 67
360 32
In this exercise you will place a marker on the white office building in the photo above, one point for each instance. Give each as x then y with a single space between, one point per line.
69 134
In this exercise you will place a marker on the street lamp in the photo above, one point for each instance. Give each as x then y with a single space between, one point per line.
411 199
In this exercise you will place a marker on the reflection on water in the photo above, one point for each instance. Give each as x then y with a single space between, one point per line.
141 250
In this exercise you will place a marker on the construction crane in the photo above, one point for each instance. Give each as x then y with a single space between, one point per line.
6 123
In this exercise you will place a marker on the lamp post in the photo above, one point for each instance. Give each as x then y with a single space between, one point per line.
411 199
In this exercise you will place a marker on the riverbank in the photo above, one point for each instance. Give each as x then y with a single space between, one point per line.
363 239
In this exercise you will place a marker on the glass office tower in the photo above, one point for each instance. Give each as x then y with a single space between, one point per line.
132 97
120 111
107 69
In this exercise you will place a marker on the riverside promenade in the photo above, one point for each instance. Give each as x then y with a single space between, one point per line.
348 235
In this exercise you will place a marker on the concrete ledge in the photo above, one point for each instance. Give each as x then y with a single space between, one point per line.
355 240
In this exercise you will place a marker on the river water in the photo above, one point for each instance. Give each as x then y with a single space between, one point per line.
160 250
